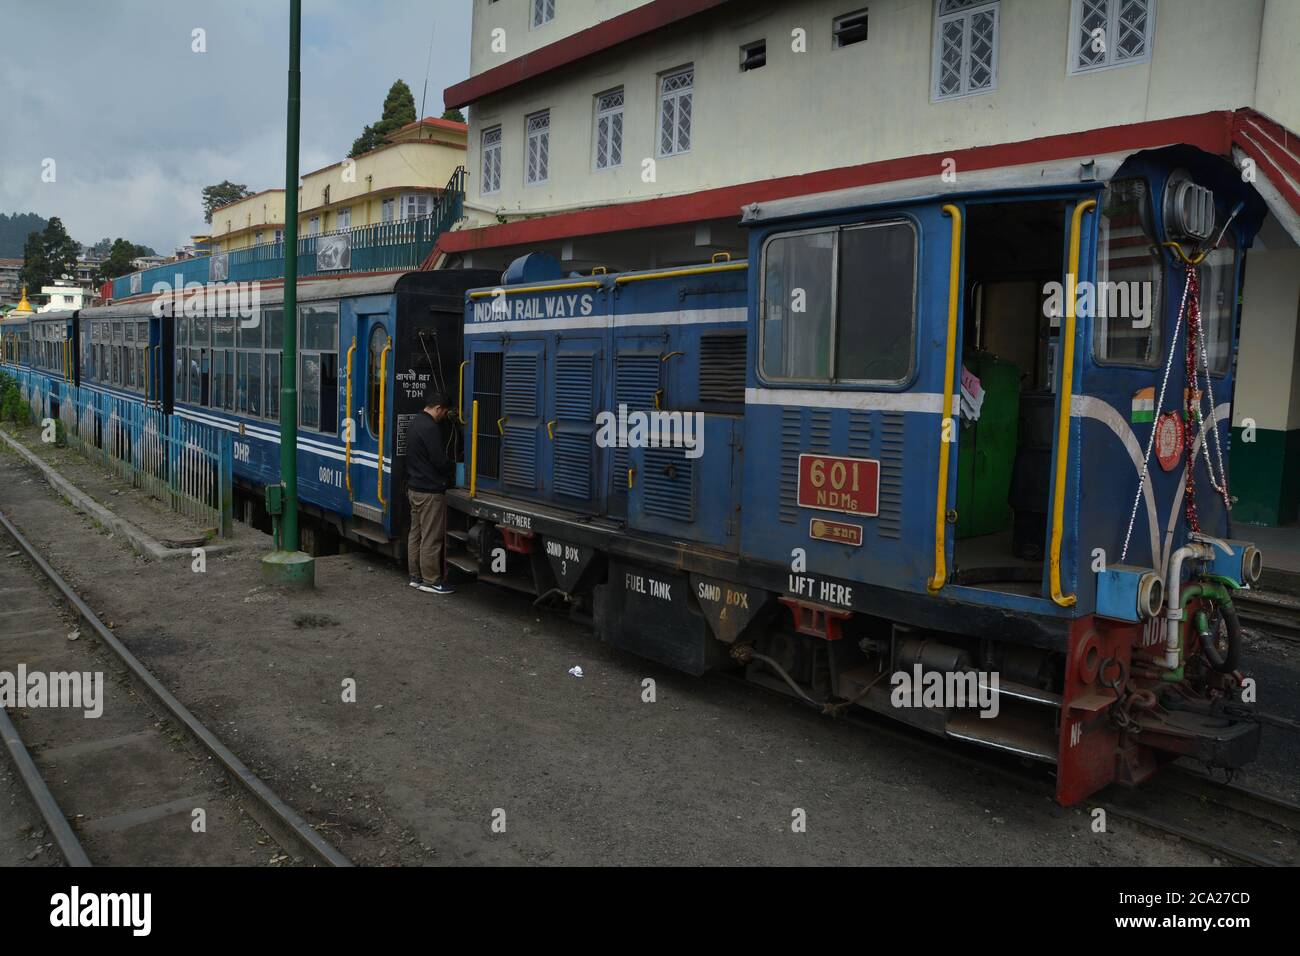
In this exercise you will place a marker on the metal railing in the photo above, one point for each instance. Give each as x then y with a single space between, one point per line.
188 465
381 247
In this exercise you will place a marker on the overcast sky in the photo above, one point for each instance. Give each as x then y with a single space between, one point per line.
138 124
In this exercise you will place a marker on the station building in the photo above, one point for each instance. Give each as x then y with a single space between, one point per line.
399 180
250 221
630 133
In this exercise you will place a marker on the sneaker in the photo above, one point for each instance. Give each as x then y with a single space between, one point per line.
437 587
414 581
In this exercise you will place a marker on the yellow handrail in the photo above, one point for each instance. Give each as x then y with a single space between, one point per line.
147 377
1067 387
473 452
349 425
945 427
383 389
671 273
517 290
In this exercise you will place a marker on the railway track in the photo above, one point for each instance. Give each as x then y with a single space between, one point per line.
144 782
1232 822
1276 614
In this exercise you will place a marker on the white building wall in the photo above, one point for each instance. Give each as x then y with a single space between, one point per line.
1278 87
871 101
519 37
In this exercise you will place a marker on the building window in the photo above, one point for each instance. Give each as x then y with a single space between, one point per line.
313 226
965 48
849 29
491 160
279 235
609 129
1105 33
538 158
387 209
344 218
543 12
753 56
415 205
676 95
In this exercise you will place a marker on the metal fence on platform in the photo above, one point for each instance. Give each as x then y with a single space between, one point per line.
186 464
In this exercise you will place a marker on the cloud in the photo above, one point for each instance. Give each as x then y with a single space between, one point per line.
138 123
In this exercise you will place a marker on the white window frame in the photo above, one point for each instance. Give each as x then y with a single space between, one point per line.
313 226
676 96
609 112
1072 65
388 209
343 218
542 136
538 10
964 14
490 151
415 205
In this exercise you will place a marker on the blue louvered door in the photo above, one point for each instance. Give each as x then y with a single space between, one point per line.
576 464
521 421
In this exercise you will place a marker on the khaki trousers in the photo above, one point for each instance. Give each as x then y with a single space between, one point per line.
425 540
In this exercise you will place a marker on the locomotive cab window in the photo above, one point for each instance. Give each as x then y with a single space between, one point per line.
839 304
1126 327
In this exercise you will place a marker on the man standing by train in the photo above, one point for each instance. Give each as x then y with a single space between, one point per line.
430 471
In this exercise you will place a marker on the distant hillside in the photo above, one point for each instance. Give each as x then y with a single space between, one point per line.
14 230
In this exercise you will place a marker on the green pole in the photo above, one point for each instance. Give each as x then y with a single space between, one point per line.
289 566
289 357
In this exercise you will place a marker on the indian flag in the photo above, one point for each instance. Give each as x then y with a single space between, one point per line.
1144 405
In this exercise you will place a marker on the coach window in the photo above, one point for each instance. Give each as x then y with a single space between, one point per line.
128 354
839 305
318 367
1126 328
223 360
249 372
273 319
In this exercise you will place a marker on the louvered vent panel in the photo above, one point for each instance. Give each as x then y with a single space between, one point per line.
574 388
819 430
890 521
573 464
669 484
860 434
519 465
722 368
636 379
520 396
791 444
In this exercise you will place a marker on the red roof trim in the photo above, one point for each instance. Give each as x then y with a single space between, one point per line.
1274 148
576 46
438 122
1211 132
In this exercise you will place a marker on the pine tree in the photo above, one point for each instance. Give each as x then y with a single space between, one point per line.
399 109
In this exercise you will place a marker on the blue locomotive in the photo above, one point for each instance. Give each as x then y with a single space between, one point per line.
952 451
963 435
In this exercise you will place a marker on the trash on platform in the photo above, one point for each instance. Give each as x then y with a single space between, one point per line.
576 670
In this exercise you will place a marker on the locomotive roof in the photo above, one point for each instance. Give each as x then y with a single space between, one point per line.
1059 173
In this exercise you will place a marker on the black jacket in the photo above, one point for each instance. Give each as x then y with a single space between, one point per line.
428 466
